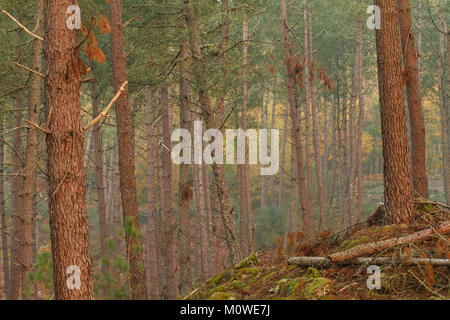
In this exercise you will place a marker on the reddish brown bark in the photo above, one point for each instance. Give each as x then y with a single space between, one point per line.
418 139
69 231
126 157
398 190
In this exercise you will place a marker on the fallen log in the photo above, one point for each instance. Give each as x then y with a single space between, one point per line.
324 262
376 247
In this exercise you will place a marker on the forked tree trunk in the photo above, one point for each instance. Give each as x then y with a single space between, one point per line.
69 230
126 157
418 140
398 189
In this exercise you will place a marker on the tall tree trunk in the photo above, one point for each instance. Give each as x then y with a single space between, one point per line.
246 242
126 157
185 262
359 143
307 74
151 253
326 147
69 230
209 216
443 104
305 209
5 260
334 142
398 190
283 158
171 275
31 157
97 133
225 207
17 263
262 125
418 140
315 130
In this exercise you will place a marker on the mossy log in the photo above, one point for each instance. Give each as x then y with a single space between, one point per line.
378 246
327 262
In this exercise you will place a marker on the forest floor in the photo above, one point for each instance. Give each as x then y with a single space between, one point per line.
267 275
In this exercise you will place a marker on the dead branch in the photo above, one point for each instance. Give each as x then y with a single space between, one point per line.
375 247
22 26
327 262
37 126
104 112
31 70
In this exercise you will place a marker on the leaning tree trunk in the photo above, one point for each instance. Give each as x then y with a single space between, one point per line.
69 230
418 140
126 157
398 189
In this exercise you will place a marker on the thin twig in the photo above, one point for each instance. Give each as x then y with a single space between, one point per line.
37 126
31 70
22 26
103 114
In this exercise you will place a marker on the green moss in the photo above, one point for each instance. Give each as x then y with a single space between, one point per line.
285 287
223 296
220 278
216 289
238 285
251 260
268 277
318 288
312 273
246 272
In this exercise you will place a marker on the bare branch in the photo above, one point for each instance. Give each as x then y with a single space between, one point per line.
22 26
103 114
